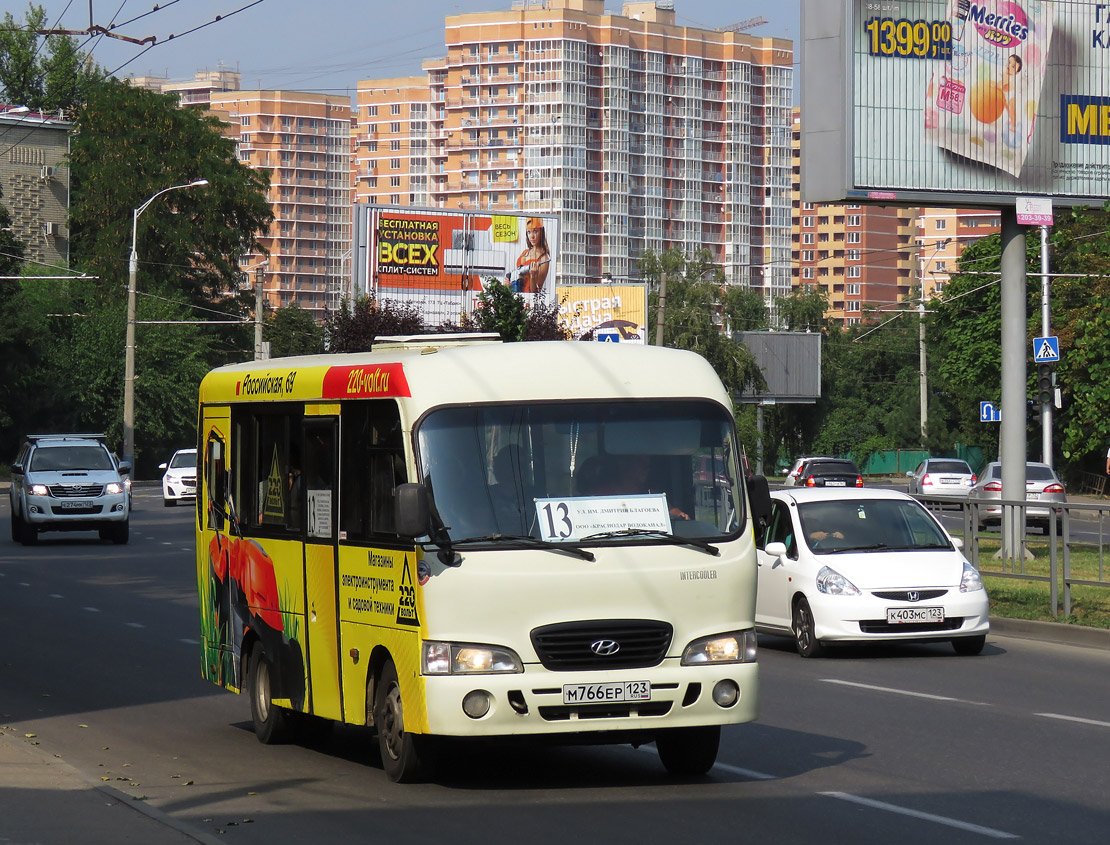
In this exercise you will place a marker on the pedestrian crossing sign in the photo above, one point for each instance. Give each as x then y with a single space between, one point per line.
1046 350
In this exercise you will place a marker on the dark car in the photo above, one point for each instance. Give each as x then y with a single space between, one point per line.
829 472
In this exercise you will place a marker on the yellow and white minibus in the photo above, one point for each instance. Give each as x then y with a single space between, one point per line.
453 537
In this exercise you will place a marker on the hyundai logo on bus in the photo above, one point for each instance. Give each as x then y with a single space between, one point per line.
605 648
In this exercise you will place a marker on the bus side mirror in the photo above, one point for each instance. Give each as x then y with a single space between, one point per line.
411 510
759 498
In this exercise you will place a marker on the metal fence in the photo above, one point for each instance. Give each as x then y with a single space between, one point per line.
1078 528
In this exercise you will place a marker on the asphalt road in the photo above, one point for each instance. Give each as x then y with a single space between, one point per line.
906 744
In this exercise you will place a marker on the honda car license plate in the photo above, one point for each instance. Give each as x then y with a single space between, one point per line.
606 692
909 615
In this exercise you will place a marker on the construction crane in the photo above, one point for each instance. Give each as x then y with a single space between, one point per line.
742 26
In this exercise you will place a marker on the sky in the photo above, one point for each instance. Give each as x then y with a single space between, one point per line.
324 46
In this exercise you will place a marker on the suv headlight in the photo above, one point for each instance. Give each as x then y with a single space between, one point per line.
734 647
443 658
39 490
971 581
113 487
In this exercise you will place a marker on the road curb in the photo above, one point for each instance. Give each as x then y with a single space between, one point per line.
1053 632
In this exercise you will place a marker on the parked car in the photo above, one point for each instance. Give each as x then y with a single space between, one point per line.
829 472
68 482
796 468
1042 485
941 477
179 481
846 565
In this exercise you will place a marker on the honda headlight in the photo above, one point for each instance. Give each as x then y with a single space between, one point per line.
734 647
970 582
443 658
832 583
113 487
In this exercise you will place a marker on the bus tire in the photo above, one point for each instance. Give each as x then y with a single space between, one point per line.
271 723
688 752
406 757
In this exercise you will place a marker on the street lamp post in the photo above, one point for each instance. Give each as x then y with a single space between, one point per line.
129 349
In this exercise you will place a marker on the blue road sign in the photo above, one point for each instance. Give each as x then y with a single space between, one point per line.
989 413
608 335
1046 350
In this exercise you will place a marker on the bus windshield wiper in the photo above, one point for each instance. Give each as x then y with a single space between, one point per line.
526 540
673 539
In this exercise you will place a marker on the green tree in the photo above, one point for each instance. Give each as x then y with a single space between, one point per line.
132 143
695 313
292 331
502 312
355 326
802 310
46 73
18 340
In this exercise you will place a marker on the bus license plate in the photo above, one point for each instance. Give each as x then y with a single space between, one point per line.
606 692
909 615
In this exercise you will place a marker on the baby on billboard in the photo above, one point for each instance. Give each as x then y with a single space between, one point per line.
982 102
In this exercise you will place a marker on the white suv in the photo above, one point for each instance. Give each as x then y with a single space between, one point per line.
68 482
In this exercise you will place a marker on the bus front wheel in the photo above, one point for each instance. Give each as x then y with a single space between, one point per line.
689 751
406 757
271 723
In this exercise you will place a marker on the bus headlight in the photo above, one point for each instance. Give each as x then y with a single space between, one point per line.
444 658
735 647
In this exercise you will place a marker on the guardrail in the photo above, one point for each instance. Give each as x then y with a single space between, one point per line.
1079 528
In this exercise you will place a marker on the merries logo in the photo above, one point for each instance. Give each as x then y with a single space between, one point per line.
1003 24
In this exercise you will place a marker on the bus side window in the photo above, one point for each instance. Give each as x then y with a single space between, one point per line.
373 462
214 481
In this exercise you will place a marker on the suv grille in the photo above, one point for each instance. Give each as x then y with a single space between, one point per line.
63 491
565 647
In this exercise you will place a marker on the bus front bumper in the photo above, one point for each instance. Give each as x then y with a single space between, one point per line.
534 702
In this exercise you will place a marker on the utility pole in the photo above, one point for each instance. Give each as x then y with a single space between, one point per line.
259 280
662 308
924 383
1046 407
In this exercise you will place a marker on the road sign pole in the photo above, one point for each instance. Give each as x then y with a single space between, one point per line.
1046 407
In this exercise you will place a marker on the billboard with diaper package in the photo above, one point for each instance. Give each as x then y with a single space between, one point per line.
980 100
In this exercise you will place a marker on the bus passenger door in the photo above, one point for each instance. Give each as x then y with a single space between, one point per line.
319 475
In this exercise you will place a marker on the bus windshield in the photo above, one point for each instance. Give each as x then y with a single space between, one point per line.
582 471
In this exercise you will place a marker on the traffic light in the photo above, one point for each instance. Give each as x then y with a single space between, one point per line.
1045 388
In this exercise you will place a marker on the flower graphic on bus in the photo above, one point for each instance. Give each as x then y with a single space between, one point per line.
246 602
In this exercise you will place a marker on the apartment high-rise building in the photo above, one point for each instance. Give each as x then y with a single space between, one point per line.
304 139
34 181
639 133
942 236
862 257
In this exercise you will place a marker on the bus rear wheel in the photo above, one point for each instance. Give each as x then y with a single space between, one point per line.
689 751
406 757
271 722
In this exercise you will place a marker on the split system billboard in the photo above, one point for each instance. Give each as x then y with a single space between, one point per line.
979 100
439 260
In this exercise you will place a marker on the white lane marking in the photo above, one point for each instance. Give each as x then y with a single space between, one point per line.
93 609
135 625
736 770
917 814
904 692
1079 719
55 596
189 642
24 584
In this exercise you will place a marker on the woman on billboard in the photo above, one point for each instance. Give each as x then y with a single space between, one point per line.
531 268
